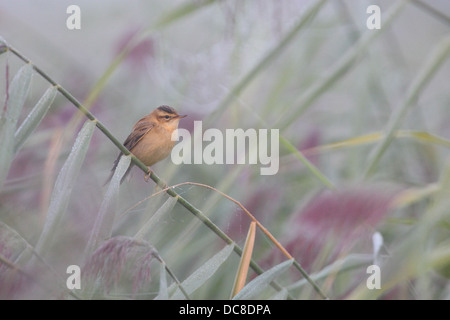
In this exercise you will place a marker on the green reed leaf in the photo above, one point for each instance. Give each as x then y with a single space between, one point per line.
35 117
104 222
153 222
15 99
257 285
64 184
163 293
204 272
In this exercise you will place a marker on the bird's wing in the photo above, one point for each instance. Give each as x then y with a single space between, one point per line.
140 129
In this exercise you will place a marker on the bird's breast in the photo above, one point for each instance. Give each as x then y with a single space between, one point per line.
154 146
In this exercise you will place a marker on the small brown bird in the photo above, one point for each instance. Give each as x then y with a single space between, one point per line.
150 141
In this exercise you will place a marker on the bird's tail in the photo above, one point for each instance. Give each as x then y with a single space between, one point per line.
114 169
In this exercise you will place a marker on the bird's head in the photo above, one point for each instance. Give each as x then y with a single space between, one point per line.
166 116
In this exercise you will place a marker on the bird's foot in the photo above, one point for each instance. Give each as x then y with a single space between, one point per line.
147 175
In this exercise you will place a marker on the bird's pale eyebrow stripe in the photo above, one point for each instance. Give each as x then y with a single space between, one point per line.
167 109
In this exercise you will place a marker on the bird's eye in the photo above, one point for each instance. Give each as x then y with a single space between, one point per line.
166 117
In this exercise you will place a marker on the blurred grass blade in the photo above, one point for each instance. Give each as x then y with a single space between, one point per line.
182 11
425 137
306 17
64 184
351 142
35 117
163 293
440 259
350 262
315 171
444 186
421 136
423 5
153 222
340 68
104 222
246 257
257 285
413 195
14 101
204 272
426 73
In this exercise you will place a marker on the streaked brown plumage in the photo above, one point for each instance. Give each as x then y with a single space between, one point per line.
150 140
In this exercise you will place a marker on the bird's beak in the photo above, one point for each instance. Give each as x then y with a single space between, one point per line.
181 116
